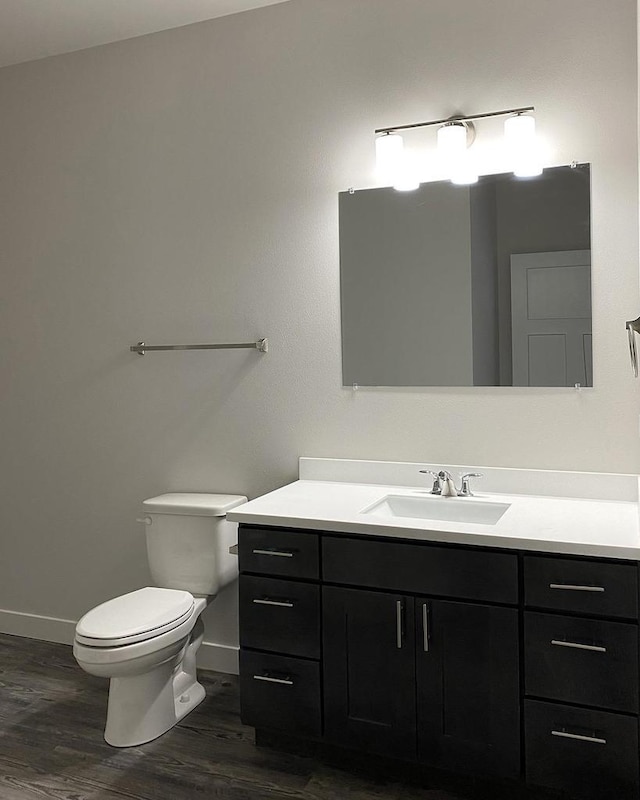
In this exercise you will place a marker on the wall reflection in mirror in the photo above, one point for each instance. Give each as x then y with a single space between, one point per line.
482 285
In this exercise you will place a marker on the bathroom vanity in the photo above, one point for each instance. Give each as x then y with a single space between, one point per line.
504 648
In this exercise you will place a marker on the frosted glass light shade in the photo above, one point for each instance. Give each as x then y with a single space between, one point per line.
389 156
520 131
406 181
452 140
453 154
528 168
520 139
407 178
464 173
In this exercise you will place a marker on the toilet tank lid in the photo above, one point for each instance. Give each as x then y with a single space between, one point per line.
197 504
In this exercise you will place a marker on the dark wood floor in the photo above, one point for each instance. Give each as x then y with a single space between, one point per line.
51 746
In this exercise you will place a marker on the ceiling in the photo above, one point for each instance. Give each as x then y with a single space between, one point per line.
31 29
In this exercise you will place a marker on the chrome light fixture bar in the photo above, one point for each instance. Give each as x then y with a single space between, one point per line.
455 118
455 135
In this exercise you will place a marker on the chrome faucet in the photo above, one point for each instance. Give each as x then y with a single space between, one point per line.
444 485
448 486
442 482
465 488
437 486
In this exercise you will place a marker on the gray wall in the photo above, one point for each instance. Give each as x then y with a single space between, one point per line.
183 187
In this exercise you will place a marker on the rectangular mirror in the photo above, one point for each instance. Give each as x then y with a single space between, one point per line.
482 285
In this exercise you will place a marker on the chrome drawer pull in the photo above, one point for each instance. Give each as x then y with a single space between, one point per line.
279 603
399 624
576 588
576 646
425 627
565 735
268 679
278 553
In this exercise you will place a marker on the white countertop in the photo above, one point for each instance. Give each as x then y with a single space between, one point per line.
590 527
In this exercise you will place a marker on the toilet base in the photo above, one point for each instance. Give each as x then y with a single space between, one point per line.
144 706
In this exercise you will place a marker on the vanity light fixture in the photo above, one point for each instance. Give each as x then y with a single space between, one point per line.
455 136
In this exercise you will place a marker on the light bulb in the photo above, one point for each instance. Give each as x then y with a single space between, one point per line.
389 153
520 140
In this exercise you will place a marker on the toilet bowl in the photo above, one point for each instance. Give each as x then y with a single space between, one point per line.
146 641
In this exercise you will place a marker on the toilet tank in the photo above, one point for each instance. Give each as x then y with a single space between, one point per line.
188 540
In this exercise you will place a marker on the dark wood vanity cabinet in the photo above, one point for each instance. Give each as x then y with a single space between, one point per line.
422 678
465 659
280 635
468 687
581 655
369 671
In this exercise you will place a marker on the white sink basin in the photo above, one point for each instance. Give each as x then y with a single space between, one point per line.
447 509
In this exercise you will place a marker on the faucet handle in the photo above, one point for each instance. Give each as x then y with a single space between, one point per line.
465 488
437 486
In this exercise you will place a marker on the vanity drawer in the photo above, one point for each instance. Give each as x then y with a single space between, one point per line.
587 587
588 754
279 693
272 551
421 569
588 661
283 616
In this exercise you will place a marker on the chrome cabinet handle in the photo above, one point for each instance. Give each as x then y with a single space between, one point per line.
399 632
285 681
577 646
266 602
576 588
578 737
277 553
425 627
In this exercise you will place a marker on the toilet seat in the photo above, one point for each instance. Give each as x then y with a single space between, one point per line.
135 617
98 653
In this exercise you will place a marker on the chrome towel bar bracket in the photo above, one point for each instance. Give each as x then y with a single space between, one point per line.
141 348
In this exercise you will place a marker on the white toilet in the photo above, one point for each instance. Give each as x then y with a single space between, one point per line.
146 641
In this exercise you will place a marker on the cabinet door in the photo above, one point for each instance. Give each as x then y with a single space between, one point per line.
369 671
467 667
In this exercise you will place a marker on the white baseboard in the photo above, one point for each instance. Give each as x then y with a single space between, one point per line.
219 658
36 626
211 656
